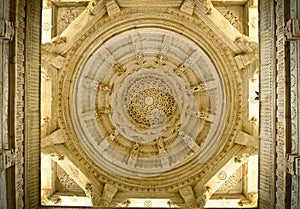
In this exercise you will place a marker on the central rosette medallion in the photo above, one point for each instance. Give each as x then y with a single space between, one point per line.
147 102
150 107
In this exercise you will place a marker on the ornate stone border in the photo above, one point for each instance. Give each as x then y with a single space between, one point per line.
31 96
267 106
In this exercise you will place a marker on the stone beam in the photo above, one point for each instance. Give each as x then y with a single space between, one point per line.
112 7
224 174
245 139
77 171
233 200
250 185
57 137
92 14
48 178
188 6
218 23
80 178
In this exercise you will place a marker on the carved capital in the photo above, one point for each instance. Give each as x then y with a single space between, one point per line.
293 164
58 40
208 6
251 201
292 29
245 139
57 137
7 29
188 195
188 6
249 52
112 7
244 60
109 192
7 159
58 61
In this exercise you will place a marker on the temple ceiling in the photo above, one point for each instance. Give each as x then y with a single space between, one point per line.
149 99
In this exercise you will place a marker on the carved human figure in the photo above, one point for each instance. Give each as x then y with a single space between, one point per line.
105 110
134 151
104 87
139 57
160 145
112 136
180 69
198 88
119 69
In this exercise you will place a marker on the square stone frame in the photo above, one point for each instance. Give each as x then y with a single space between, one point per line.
27 116
56 6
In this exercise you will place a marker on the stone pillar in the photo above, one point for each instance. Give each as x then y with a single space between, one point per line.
28 124
267 106
6 143
279 129
282 123
293 38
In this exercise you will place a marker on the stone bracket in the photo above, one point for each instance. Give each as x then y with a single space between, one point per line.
293 164
7 158
188 6
112 7
292 29
7 29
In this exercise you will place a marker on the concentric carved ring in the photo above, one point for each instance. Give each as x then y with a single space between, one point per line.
146 102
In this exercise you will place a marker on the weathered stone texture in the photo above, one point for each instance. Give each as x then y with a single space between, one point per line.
267 104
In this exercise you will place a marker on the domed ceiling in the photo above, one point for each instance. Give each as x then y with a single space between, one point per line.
150 102
141 113
149 98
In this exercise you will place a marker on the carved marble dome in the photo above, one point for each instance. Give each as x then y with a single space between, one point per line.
137 114
149 100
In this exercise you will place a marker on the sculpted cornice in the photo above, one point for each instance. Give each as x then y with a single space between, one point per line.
167 19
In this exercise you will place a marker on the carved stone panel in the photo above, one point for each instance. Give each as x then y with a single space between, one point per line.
235 12
63 13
